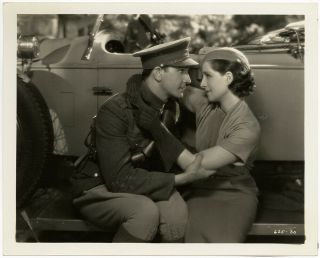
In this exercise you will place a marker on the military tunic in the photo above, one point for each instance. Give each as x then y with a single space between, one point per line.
116 137
132 199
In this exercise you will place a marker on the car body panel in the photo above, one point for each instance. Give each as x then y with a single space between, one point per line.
282 119
278 103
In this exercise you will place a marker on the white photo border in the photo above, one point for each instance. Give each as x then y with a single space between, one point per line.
11 247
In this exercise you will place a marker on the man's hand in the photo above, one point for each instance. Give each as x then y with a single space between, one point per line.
194 172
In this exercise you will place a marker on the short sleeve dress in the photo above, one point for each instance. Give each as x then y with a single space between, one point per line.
222 208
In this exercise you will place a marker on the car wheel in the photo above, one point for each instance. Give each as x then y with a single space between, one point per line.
34 140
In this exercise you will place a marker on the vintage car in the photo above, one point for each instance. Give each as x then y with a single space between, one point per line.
63 88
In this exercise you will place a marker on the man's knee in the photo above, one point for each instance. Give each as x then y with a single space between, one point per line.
174 211
178 215
173 218
146 211
143 221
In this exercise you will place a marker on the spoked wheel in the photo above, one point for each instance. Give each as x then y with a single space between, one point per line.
34 140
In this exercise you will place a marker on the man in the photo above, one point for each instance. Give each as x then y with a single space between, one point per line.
137 198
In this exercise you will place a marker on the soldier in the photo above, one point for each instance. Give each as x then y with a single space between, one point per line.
138 198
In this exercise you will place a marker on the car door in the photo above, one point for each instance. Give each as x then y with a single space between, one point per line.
66 85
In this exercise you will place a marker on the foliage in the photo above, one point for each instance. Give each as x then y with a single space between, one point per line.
207 30
204 30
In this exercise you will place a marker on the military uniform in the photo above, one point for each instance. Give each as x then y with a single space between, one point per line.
118 137
135 199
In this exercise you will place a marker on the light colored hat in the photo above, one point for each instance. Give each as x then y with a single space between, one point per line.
230 54
173 53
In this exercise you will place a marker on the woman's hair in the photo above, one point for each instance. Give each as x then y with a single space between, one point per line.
243 83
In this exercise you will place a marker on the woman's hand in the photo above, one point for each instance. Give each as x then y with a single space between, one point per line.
193 172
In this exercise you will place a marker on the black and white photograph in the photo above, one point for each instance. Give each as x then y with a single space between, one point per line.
160 129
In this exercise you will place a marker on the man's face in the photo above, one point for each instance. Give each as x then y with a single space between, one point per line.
174 81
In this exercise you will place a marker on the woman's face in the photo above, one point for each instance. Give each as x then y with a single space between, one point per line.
214 83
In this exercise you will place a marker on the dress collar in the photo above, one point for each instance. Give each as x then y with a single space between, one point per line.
235 106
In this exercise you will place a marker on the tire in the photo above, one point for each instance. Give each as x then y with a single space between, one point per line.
34 140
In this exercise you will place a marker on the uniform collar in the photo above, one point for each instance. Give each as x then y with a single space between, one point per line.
151 98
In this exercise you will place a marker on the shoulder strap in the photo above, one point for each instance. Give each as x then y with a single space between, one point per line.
90 141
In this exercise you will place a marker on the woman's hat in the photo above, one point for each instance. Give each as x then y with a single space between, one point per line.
173 53
230 54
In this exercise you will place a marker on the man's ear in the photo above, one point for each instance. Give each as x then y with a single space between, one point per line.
157 73
229 77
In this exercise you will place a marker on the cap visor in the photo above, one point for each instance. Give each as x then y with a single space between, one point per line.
189 62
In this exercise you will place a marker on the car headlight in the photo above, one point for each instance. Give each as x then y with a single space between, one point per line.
28 47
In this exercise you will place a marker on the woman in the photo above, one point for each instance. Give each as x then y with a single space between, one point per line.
223 207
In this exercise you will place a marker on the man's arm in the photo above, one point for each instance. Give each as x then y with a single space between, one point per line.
115 159
117 169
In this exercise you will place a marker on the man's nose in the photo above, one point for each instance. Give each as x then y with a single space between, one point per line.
187 79
203 84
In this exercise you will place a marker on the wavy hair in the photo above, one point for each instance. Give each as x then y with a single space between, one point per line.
243 84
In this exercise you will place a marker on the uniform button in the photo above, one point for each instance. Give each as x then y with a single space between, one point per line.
95 174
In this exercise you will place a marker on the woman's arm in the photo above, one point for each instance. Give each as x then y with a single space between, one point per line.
185 159
236 147
194 98
213 158
217 157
